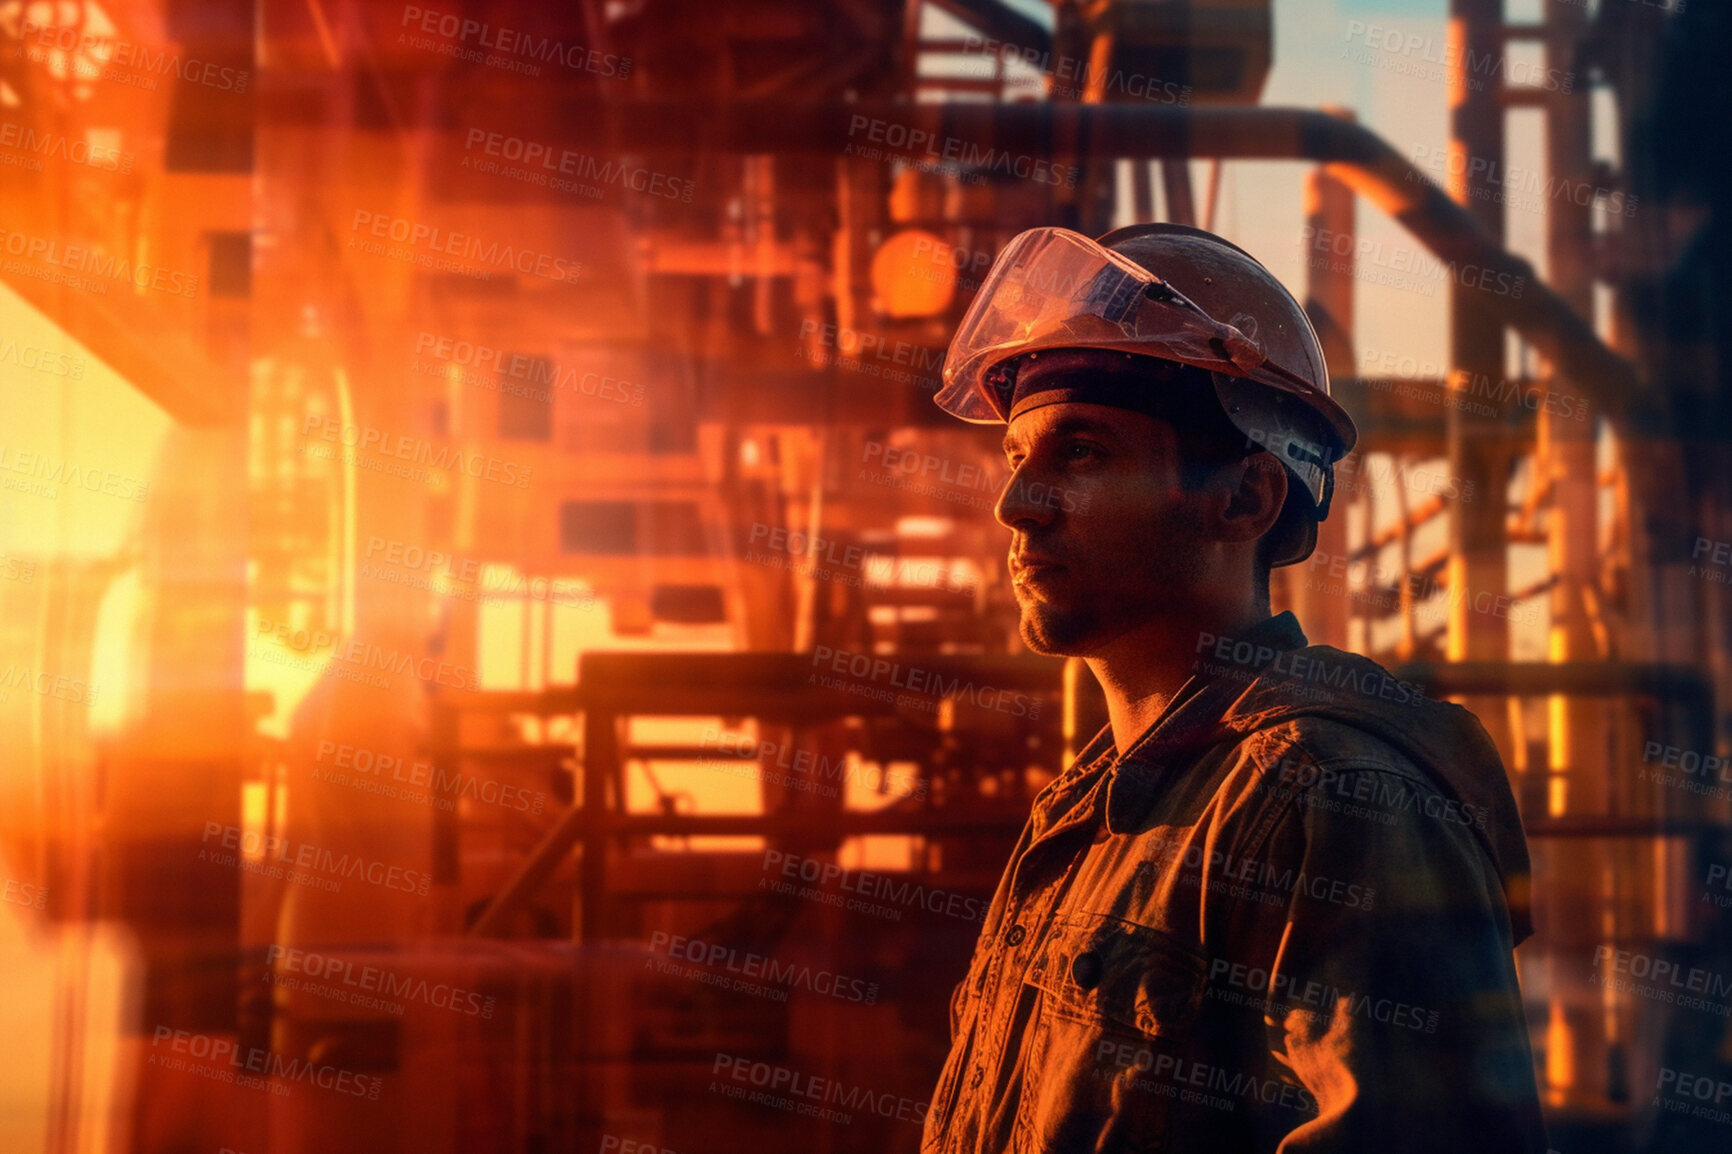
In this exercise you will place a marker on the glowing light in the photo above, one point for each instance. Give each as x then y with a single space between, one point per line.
907 280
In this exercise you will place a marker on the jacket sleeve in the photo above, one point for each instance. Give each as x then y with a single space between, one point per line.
1392 994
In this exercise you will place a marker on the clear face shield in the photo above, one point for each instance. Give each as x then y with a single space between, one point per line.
1052 288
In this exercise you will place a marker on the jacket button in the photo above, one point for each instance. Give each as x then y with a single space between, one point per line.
1014 935
1085 970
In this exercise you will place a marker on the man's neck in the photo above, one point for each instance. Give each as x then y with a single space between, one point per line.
1140 671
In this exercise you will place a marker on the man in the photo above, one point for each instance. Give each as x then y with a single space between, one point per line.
1272 906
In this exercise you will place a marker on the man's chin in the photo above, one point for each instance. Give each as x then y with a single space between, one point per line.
1053 634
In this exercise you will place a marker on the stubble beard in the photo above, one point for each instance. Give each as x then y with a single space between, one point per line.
1089 624
1058 631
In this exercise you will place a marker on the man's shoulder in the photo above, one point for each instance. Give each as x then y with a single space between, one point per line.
1324 677
1321 771
1323 740
1326 706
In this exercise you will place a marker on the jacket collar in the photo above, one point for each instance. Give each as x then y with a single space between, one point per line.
1191 719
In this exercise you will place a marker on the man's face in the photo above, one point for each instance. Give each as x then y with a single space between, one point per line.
1103 538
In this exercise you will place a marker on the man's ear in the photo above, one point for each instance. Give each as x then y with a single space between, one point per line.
1256 488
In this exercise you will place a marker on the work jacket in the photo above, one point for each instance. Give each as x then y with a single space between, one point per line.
1281 920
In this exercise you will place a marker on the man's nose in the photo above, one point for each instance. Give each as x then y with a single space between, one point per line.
1018 506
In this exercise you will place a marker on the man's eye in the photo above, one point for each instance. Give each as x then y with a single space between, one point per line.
1079 451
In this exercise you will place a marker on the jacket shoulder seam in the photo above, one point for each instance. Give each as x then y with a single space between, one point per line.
1297 747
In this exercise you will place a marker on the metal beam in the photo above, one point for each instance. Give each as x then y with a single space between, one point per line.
1009 138
999 21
